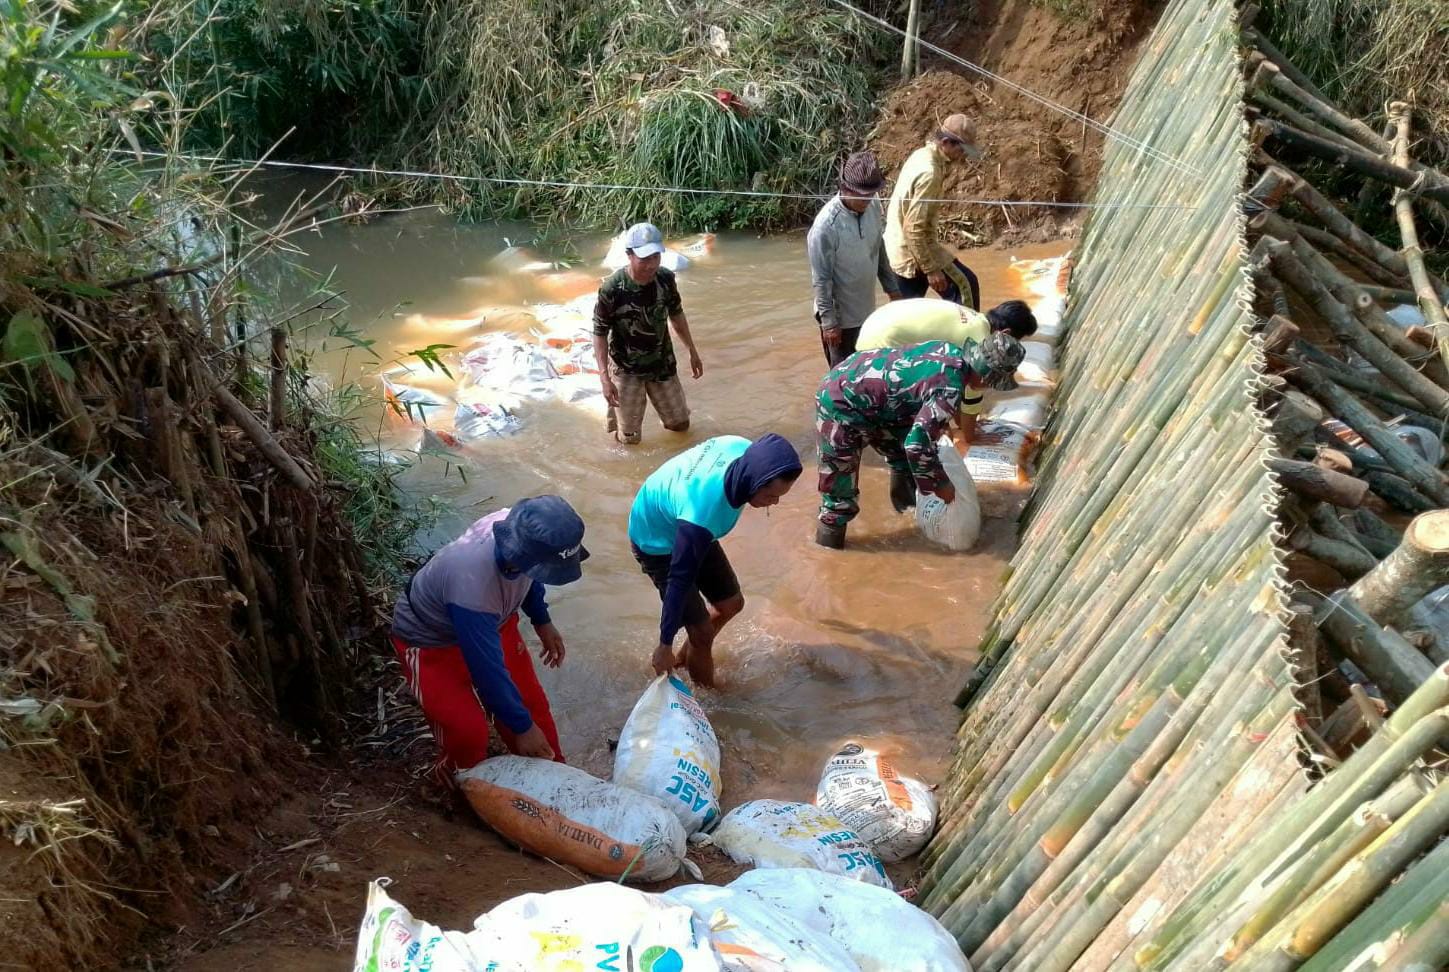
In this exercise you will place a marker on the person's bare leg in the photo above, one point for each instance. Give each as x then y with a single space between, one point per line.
698 651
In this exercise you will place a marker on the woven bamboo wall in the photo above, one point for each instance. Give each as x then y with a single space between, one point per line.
1136 727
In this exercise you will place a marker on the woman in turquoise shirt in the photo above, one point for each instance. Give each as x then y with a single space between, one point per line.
675 525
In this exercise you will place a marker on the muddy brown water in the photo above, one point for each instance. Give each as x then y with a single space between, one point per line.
867 644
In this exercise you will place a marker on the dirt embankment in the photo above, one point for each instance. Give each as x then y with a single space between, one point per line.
1080 61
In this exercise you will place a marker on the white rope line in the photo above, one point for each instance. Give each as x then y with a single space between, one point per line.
605 186
1106 130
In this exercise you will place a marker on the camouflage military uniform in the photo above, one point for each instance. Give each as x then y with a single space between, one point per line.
635 319
897 400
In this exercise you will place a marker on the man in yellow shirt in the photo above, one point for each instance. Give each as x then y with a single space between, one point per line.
903 323
916 257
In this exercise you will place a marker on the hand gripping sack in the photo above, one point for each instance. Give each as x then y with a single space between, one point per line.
668 750
563 813
392 940
595 926
773 833
894 814
957 524
752 936
881 931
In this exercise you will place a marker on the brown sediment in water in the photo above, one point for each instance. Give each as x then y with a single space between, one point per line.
831 646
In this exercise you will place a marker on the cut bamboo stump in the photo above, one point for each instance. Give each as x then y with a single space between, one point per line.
1418 565
1306 479
1349 559
1295 418
1396 667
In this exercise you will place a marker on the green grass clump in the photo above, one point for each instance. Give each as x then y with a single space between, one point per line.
620 93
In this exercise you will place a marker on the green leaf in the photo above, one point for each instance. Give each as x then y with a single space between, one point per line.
27 342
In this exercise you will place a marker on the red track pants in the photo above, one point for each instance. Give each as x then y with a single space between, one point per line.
440 679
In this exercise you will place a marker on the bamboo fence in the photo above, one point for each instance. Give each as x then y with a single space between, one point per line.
1136 783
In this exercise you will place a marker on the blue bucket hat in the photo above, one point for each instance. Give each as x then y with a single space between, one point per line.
543 537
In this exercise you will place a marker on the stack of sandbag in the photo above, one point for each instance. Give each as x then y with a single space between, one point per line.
786 920
894 814
880 931
1001 453
955 525
596 926
563 813
1046 284
669 751
776 833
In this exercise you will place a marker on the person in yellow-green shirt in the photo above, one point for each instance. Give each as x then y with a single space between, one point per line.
902 323
917 258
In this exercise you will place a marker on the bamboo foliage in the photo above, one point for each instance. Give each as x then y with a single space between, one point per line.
1126 790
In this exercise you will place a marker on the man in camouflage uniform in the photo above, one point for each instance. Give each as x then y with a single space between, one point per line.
900 401
632 315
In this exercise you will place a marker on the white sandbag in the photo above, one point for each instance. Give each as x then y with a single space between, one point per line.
955 525
668 750
881 931
392 940
506 363
1048 312
1038 368
752 936
595 926
1027 409
565 814
773 833
482 420
894 814
1000 454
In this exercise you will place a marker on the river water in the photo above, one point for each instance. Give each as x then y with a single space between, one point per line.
868 644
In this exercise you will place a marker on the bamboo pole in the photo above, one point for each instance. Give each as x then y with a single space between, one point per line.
277 404
1431 186
1396 667
1290 265
1428 298
1308 480
1419 565
1310 926
909 55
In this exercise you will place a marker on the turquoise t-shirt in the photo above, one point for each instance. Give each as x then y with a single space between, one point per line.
688 487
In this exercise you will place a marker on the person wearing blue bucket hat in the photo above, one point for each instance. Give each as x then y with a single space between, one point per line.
455 630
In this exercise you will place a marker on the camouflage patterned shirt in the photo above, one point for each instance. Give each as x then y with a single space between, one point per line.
635 319
918 389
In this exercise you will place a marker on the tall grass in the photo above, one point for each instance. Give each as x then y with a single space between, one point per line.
576 91
1366 53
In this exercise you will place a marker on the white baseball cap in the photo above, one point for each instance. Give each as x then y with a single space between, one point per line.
644 239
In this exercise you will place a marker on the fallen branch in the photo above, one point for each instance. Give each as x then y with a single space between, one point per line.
255 430
1424 183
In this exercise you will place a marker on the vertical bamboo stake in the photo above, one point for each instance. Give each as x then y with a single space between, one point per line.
1429 302
277 409
909 56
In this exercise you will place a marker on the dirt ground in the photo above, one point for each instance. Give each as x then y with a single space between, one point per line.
1032 152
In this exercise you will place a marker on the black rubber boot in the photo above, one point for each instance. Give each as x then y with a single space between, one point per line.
830 536
903 490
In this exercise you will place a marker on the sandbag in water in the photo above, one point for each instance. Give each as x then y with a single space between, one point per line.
669 751
955 525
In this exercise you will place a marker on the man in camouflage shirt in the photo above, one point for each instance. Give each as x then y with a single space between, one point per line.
633 312
899 401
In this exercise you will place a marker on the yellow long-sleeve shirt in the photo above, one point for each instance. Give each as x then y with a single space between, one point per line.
910 233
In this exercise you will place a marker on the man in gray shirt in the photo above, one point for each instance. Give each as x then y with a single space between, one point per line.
846 257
